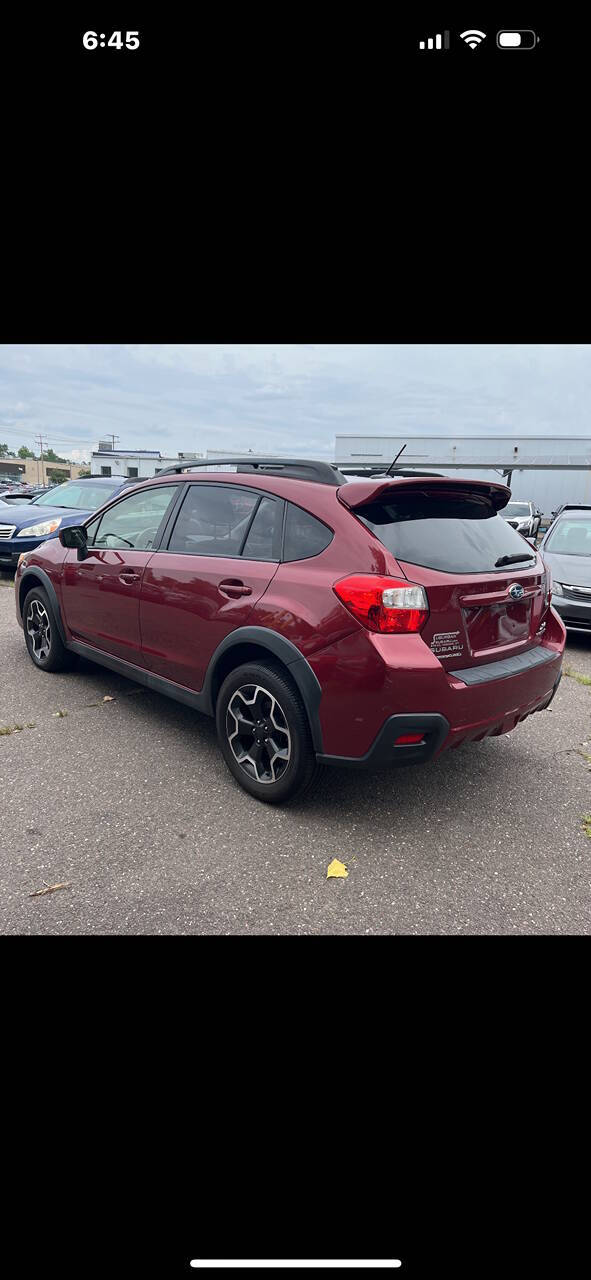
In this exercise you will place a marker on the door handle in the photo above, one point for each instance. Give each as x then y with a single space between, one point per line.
233 588
129 577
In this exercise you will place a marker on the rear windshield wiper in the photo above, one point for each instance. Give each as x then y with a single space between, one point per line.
513 559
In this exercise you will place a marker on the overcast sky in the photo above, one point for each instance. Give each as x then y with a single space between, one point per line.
285 398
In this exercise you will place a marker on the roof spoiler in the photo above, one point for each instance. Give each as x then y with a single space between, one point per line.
359 493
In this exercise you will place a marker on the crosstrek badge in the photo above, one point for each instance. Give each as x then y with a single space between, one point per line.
446 642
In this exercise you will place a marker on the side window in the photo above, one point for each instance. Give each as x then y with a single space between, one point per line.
91 531
213 521
304 535
134 522
263 541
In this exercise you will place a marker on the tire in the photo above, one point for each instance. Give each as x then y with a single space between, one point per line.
258 705
42 637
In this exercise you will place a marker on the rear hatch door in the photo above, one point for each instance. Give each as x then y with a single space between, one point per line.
486 585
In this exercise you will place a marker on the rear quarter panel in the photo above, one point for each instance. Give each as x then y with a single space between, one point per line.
300 602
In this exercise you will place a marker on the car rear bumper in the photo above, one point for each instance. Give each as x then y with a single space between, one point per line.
386 751
438 736
372 686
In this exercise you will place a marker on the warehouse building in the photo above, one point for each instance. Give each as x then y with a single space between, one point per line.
546 470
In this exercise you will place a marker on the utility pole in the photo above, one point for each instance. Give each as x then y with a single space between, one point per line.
114 438
39 440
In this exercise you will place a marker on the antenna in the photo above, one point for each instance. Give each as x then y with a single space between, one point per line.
393 464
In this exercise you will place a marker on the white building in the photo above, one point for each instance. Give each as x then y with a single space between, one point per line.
143 463
132 463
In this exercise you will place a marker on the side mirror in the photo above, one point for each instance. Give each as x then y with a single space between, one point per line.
74 538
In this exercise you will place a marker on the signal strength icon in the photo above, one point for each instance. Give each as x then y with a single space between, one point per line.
473 38
435 42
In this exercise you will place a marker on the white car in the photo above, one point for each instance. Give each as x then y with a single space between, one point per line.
523 516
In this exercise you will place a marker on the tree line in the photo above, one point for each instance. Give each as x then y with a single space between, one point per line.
24 452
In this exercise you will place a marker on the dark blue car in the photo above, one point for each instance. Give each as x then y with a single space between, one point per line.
24 527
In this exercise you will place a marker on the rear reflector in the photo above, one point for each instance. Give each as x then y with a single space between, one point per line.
407 739
389 605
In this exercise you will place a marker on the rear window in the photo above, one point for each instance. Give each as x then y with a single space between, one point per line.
457 534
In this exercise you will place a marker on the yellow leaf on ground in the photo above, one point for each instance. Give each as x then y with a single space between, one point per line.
337 868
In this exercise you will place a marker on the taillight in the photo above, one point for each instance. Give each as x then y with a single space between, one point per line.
384 604
548 596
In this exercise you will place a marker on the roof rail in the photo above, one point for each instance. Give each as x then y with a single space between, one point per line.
291 468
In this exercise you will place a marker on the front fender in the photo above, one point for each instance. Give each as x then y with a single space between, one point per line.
34 574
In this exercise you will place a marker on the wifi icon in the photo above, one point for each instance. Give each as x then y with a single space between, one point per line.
473 38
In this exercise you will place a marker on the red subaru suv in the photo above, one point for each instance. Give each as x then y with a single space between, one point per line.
320 619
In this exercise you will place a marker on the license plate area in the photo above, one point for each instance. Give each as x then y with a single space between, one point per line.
497 625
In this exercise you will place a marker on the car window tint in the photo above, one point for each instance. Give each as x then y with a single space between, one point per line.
304 535
134 522
459 533
264 538
213 521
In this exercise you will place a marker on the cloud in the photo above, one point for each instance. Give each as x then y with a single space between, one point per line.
290 397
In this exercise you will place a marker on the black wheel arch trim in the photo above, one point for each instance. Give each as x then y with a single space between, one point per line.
35 574
287 653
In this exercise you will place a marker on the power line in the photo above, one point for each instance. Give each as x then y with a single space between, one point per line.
40 440
52 440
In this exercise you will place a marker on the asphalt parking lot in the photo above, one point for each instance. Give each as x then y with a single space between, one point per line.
129 803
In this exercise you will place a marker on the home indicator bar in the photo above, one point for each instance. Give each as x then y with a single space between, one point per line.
253 1264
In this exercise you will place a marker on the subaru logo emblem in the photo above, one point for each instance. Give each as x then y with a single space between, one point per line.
516 591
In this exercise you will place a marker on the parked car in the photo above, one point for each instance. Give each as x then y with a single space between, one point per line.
28 524
10 488
566 549
14 496
523 516
568 506
377 622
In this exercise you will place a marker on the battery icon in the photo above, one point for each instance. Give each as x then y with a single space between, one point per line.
517 39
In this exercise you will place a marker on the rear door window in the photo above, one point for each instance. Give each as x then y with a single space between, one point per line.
213 521
263 540
304 535
456 534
